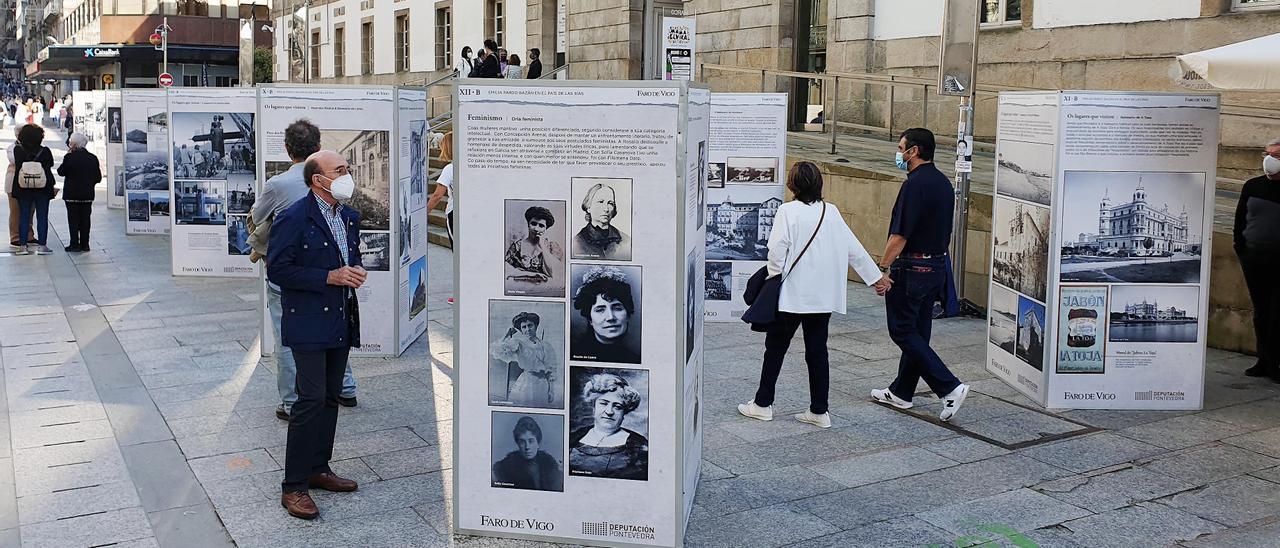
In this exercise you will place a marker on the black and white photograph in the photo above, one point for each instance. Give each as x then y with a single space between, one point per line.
1002 318
417 164
759 170
115 126
160 203
533 248
375 251
692 302
368 152
605 319
602 220
135 140
1025 171
238 235
119 180
157 120
406 224
146 170
417 287
715 175
719 280
200 202
240 195
1135 227
273 168
528 451
738 225
1030 343
701 207
1154 314
1020 239
526 354
205 141
139 205
609 423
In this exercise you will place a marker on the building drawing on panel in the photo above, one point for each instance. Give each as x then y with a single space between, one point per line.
369 155
740 230
1021 247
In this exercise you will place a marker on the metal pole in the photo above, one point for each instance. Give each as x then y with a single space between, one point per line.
924 116
306 37
892 93
960 217
164 37
835 107
762 77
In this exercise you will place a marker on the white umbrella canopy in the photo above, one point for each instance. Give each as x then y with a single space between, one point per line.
1252 65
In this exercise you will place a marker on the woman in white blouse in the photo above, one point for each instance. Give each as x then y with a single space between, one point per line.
812 289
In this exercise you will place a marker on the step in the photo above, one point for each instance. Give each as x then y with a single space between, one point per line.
436 217
439 236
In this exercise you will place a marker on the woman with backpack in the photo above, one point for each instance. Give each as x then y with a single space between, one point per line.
33 188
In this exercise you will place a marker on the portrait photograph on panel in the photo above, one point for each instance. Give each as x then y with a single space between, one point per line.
715 175
368 152
760 170
375 251
146 170
417 287
1002 318
702 184
1025 171
1020 257
118 175
238 235
1154 314
159 204
601 218
200 202
528 451
738 224
605 321
139 205
609 423
534 248
719 280
205 142
1135 227
1030 343
115 126
526 353
692 303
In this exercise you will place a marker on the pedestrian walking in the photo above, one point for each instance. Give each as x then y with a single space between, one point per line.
920 269
513 71
535 64
321 323
812 248
1257 244
301 140
444 188
80 173
33 187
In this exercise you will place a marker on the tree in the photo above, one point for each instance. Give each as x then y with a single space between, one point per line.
263 65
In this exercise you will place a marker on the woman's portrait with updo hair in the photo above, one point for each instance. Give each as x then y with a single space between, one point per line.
534 254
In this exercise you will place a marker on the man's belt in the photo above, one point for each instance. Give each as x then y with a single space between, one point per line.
924 255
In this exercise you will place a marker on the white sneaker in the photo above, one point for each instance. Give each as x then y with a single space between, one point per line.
886 397
43 250
21 250
14 248
750 409
952 402
821 421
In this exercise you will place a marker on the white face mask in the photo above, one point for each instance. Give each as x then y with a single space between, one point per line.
1270 165
342 188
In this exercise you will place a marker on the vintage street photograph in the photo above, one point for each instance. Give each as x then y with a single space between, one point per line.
418 164
1136 227
368 152
528 451
761 170
139 205
1020 255
406 224
146 170
719 280
606 318
609 423
238 235
1002 318
534 248
375 251
1025 171
715 175
526 353
200 202
1154 314
204 141
417 287
602 218
738 225
240 194
1030 343
160 203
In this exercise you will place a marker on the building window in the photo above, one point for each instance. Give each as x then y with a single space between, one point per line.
222 81
444 38
339 52
190 80
1254 4
366 47
315 54
402 42
193 7
495 24
1001 12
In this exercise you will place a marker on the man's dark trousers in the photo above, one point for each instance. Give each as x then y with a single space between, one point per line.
917 285
78 215
313 420
1260 267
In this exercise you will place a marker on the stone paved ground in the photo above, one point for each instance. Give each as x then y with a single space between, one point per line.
135 411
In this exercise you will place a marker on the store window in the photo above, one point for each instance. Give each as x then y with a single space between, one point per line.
366 47
402 41
1254 4
315 54
444 38
1001 12
495 20
339 51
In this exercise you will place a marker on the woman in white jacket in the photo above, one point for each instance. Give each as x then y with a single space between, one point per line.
813 288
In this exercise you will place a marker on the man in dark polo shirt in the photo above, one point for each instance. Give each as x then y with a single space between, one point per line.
1257 243
917 262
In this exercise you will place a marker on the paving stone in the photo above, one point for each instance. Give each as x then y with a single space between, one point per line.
1020 510
895 533
1254 415
409 462
1112 419
1091 452
400 527
8 496
1113 489
1263 533
1210 464
56 433
1020 427
777 525
1182 432
1270 474
964 449
46 469
1234 502
885 465
1139 526
761 489
977 408
183 525
807 448
161 476
77 502
232 465
92 530
1266 442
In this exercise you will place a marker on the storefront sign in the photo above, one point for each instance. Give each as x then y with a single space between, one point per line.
93 53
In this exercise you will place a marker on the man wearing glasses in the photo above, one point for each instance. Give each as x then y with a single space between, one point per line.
313 255
1257 243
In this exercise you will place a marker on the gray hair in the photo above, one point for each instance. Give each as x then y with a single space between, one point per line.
1273 143
78 140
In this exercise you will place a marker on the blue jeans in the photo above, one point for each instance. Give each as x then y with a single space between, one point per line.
286 367
917 285
40 208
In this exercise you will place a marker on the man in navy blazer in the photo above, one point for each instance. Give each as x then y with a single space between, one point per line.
313 254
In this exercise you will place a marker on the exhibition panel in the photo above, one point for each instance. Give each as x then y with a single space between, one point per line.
144 176
90 118
114 148
211 157
580 211
411 222
1102 215
746 157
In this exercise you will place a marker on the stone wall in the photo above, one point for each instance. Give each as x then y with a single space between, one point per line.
606 39
744 33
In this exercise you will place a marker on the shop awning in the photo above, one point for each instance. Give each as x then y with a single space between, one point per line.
74 59
1249 65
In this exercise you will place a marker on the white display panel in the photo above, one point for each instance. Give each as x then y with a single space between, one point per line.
411 222
212 152
114 147
697 148
89 111
359 122
1113 313
679 48
144 176
530 159
749 138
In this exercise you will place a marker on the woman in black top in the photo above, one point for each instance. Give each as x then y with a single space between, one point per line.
1257 243
81 172
32 201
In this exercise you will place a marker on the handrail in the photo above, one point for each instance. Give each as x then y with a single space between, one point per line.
451 74
555 71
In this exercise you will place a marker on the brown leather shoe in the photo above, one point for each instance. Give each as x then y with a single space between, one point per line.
331 482
300 505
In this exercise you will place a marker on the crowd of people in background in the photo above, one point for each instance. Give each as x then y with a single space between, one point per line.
494 62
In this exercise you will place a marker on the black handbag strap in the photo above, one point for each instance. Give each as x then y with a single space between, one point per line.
806 245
